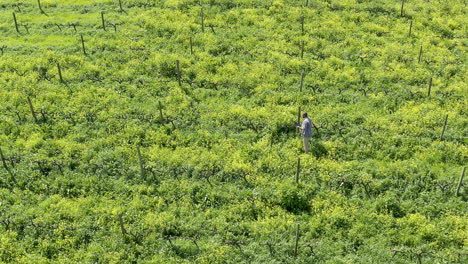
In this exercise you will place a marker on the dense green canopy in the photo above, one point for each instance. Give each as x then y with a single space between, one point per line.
161 131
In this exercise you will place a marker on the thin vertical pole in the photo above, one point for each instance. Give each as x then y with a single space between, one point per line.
16 22
5 165
103 21
202 19
178 73
120 5
40 7
140 161
445 126
302 49
302 25
298 117
296 244
429 87
298 169
191 45
420 54
302 81
60 73
460 181
83 45
410 28
160 111
32 110
402 6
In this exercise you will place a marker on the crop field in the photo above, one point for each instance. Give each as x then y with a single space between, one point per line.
161 131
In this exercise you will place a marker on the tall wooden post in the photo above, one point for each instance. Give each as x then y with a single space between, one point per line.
32 110
298 118
191 45
420 54
410 28
40 7
83 45
298 169
140 162
5 165
103 21
302 81
16 22
296 244
302 49
60 73
178 73
402 6
460 181
120 6
429 87
202 14
160 111
445 126
302 25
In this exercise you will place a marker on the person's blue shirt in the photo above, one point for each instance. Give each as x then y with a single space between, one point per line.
306 127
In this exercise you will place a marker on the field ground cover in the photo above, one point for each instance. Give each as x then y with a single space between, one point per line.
153 131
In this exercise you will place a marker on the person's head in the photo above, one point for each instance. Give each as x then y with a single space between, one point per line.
304 115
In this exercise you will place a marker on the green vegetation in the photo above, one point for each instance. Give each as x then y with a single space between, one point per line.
162 131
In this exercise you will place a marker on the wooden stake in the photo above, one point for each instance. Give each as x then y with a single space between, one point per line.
302 81
160 111
140 161
298 169
122 227
445 126
178 73
460 181
402 6
429 87
5 165
60 73
302 49
296 244
120 6
202 20
302 25
410 28
298 117
103 21
191 46
420 54
32 110
83 45
40 7
16 22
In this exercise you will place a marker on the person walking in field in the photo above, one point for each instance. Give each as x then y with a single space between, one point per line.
306 131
